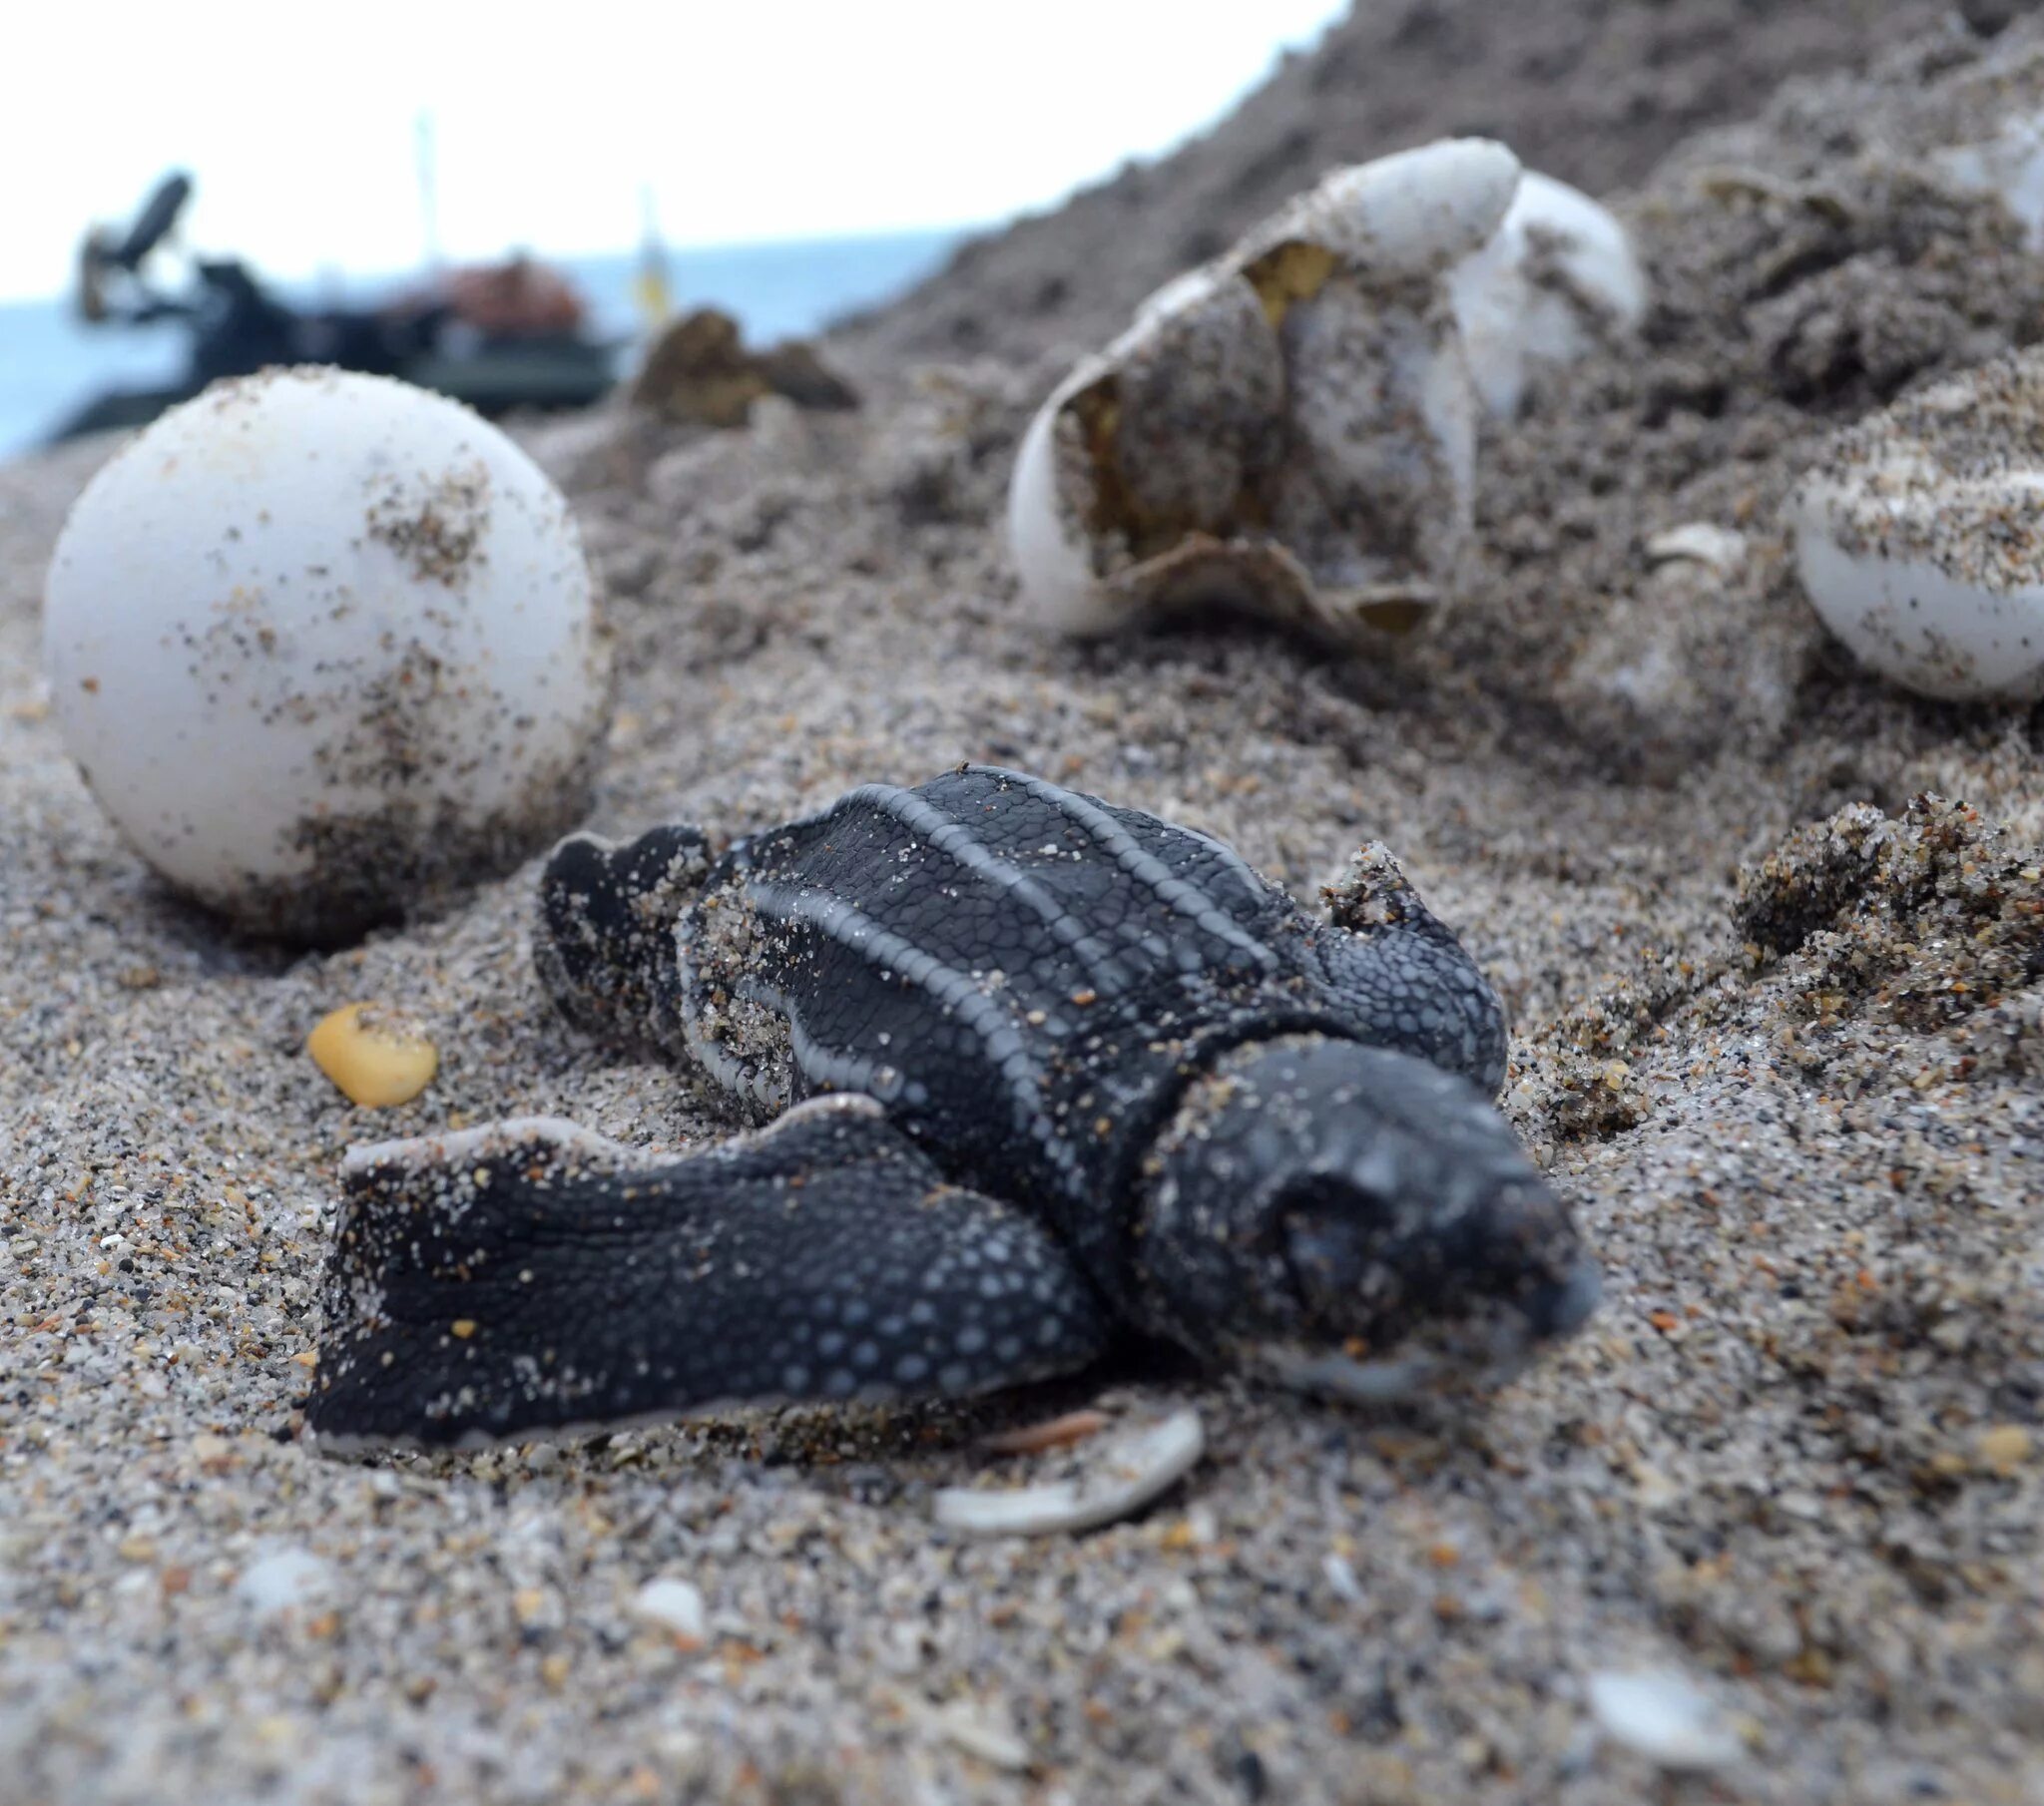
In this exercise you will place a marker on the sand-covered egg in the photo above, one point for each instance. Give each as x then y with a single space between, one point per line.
1920 535
324 646
1289 429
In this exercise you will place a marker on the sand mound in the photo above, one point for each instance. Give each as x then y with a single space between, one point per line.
1593 93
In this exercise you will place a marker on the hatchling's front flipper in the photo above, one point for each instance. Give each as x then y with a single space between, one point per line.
605 940
1409 983
531 1278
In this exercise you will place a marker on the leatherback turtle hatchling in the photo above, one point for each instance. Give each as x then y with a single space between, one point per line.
1056 1069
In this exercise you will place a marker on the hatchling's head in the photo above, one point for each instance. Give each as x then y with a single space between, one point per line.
1357 1220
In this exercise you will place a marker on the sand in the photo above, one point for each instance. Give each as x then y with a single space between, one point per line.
1781 1036
1592 92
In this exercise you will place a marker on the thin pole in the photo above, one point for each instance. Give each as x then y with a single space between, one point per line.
429 185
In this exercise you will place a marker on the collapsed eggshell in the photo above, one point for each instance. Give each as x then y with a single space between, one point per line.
324 644
1921 536
1557 272
1290 428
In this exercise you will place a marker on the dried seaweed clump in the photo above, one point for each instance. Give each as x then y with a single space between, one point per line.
699 372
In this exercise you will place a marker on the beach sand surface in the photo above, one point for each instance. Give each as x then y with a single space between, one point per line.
1772 937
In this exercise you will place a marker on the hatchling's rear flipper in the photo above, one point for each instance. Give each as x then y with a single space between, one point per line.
605 939
529 1278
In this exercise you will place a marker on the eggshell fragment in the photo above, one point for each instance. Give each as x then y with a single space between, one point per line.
1719 549
373 1056
323 645
1665 1717
673 1605
1289 429
2008 165
1558 273
1121 1475
1921 536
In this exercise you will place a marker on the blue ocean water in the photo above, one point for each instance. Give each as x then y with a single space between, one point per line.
50 362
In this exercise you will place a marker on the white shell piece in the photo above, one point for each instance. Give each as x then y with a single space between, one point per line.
1665 1717
1918 536
1123 1475
1057 576
1559 270
281 1579
983 1732
1290 428
1405 214
315 616
1183 292
673 1604
1723 549
2009 165
1342 1376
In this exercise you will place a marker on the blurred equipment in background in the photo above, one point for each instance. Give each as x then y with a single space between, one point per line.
517 299
497 337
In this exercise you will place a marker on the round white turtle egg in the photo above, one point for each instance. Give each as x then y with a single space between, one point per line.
324 646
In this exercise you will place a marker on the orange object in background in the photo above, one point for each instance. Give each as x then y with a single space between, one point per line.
517 299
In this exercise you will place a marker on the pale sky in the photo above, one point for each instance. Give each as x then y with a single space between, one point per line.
776 119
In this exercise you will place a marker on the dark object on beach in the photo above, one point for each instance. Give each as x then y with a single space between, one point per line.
1990 18
1051 1072
699 372
506 336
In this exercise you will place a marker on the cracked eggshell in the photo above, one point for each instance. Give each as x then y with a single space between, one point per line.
1558 271
1921 536
1290 428
1409 215
324 644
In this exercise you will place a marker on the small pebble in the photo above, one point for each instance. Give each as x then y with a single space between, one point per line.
2005 1446
283 1578
673 1604
1341 1581
1665 1717
375 1058
982 1733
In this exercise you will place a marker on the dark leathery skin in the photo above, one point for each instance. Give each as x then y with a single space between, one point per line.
1026 977
530 1277
608 962
1043 1069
